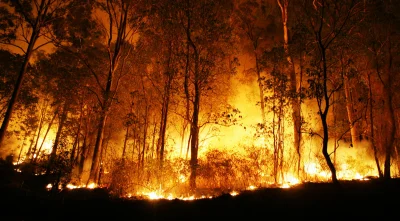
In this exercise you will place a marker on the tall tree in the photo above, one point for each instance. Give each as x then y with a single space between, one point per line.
381 41
208 34
32 18
295 101
165 38
123 20
328 21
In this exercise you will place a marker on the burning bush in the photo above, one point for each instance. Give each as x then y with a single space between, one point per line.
131 178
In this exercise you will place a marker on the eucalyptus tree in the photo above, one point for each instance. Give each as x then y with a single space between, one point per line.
165 39
380 36
328 22
294 86
8 66
66 78
123 19
207 30
28 21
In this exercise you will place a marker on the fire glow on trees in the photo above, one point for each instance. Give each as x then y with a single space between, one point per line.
192 99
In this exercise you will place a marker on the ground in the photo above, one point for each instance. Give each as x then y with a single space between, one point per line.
354 200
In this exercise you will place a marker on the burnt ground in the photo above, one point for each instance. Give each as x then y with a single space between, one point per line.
354 200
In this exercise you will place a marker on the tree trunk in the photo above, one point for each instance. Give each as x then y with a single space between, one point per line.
372 136
261 89
296 115
145 128
42 116
114 52
389 113
75 146
194 145
153 140
164 118
94 171
53 154
354 132
85 144
17 87
45 135
84 150
125 141
324 115
194 126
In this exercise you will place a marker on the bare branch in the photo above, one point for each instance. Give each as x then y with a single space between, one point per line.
41 45
14 45
97 96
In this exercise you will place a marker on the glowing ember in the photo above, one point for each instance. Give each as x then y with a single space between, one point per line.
89 186
71 186
234 193
251 187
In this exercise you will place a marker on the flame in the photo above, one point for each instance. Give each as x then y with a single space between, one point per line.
240 141
234 193
89 186
251 187
155 195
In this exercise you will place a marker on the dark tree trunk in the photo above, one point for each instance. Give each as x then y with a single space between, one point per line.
74 154
372 136
125 141
164 118
45 136
389 113
194 145
324 114
36 26
41 121
17 86
53 154
95 168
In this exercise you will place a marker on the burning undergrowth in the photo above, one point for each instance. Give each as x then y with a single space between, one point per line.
219 172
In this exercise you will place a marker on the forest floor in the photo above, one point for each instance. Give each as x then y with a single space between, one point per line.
353 200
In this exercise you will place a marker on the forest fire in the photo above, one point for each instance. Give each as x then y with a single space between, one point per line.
192 100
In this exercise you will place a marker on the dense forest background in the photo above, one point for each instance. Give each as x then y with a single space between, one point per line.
176 96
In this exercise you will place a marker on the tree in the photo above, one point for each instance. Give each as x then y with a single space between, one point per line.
8 66
33 19
165 40
125 17
295 101
66 78
381 44
207 28
328 21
